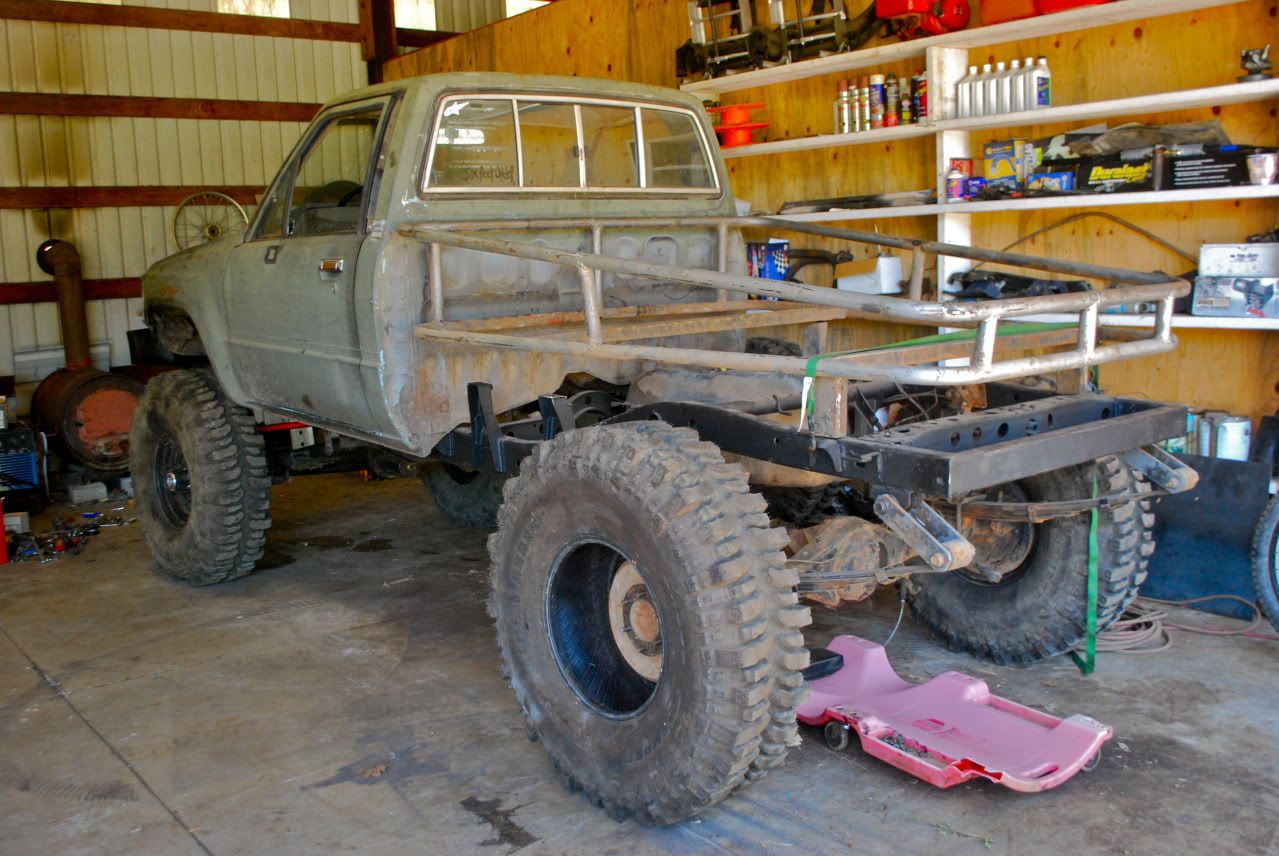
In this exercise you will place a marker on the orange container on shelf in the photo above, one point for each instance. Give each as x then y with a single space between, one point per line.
1047 7
998 11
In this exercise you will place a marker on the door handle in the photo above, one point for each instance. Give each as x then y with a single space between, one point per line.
332 265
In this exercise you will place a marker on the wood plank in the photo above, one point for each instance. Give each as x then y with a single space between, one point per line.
420 38
561 319
18 293
63 12
49 104
115 197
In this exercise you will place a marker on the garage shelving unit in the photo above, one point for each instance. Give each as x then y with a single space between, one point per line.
946 60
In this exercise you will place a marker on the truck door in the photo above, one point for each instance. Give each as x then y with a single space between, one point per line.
292 286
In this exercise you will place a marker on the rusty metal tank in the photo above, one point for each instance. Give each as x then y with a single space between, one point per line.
86 412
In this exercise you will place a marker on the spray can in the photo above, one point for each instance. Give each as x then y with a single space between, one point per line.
919 95
892 102
906 110
877 100
843 110
863 101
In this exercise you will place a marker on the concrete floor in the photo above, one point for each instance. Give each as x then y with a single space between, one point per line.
348 699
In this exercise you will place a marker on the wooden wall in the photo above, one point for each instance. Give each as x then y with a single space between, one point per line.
80 152
635 40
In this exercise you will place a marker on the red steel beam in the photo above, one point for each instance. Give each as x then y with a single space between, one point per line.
125 196
48 104
15 293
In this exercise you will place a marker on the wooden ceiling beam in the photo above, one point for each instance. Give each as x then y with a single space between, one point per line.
138 107
124 196
64 12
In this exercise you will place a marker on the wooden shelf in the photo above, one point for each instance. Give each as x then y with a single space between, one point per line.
1186 99
830 141
1071 20
1096 200
1208 96
1192 322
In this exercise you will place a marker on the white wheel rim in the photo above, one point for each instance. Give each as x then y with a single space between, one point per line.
634 622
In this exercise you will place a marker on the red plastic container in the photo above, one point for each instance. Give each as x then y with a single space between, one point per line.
1047 7
998 11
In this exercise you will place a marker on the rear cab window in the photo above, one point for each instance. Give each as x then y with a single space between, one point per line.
486 143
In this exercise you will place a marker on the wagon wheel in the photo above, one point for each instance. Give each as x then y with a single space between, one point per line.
207 216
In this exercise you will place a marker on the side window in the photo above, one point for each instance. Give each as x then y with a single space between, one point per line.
328 191
475 145
674 156
271 224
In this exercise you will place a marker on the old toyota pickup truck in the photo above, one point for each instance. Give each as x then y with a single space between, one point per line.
535 291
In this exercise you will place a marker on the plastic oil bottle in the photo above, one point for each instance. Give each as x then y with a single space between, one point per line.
996 98
980 107
1041 85
1016 87
964 93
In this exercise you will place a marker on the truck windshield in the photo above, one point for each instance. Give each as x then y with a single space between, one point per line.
486 143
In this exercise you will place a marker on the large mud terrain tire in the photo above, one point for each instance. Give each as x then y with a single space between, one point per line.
200 478
1038 607
1265 561
466 497
648 624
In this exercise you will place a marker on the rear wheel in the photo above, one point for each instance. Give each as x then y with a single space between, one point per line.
647 621
200 478
466 497
1023 598
1265 561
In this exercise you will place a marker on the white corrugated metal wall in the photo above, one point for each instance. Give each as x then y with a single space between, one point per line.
39 151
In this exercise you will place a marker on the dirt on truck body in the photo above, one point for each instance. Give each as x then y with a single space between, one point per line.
533 292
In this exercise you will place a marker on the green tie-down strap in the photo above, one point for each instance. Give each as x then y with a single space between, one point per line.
1088 661
810 371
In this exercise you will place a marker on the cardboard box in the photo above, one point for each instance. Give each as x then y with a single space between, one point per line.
1236 296
1251 260
1008 162
1214 167
1114 175
1058 180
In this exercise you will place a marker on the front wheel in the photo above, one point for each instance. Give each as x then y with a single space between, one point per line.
647 621
1024 597
200 478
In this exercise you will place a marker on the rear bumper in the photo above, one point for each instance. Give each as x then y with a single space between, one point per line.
957 455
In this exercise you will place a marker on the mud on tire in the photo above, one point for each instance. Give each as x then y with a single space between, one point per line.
587 506
200 478
1039 609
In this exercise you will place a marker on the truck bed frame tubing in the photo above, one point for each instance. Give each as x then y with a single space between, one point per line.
982 367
